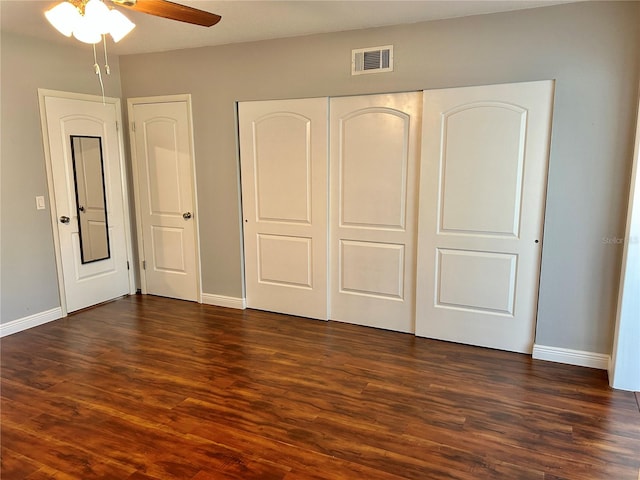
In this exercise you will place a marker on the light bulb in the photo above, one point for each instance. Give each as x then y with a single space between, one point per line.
63 17
96 15
85 32
119 25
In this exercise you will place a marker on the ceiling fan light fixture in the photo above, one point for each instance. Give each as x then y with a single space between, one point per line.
90 20
85 31
64 17
120 25
89 27
96 16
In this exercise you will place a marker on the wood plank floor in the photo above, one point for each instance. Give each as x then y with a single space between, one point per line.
148 388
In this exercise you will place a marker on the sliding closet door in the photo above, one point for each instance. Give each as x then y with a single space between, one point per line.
482 193
375 152
283 148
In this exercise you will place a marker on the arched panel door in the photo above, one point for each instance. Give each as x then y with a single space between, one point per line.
164 170
375 153
482 193
283 149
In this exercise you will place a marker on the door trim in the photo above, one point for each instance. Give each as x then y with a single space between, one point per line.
624 370
42 94
131 102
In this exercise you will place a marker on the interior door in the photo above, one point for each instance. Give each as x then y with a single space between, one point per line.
283 149
86 173
482 192
162 146
375 153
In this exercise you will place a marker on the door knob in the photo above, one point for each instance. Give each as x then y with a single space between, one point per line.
81 208
186 215
64 219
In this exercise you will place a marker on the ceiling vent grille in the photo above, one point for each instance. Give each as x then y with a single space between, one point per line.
372 60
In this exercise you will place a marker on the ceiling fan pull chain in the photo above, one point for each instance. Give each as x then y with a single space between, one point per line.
96 68
106 60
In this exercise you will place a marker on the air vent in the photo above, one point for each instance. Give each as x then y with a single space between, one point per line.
372 60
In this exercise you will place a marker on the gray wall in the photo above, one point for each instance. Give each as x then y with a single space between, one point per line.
592 49
27 267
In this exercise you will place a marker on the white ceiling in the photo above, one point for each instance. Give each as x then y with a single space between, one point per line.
244 20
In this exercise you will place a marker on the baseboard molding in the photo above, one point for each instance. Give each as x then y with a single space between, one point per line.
222 301
580 358
15 326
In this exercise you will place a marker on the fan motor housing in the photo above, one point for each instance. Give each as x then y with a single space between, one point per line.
127 3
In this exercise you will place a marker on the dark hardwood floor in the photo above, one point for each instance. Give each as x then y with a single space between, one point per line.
149 388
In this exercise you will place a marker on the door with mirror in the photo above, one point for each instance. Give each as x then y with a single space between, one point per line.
85 172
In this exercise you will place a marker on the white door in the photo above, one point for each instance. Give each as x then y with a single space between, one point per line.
375 154
162 150
283 146
85 171
482 192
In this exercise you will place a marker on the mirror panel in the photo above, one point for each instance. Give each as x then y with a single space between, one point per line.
88 173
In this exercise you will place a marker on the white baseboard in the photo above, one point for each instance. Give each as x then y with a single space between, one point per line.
572 357
15 326
222 301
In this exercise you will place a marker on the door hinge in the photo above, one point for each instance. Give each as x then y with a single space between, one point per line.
144 264
117 126
128 267
133 126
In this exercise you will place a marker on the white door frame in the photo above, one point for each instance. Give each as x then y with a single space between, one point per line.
624 363
42 93
136 183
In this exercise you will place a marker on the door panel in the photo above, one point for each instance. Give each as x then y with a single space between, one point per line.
476 281
283 149
372 269
282 168
285 260
374 164
373 168
483 195
167 245
482 191
93 282
162 146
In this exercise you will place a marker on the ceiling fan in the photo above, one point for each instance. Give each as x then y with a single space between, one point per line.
171 10
90 20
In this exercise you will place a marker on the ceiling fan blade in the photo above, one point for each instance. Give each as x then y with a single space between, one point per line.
172 11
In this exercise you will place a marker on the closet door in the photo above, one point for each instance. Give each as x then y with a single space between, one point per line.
375 152
482 192
283 149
